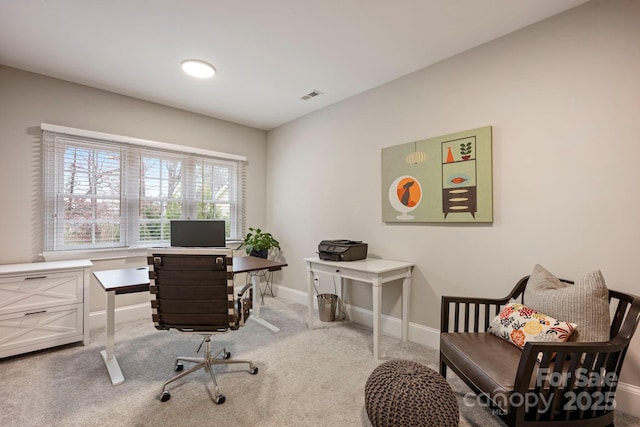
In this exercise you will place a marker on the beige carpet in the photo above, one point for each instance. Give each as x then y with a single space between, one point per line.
305 378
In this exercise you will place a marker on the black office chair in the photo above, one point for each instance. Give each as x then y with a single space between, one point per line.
193 293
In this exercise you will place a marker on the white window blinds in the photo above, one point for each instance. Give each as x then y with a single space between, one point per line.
106 191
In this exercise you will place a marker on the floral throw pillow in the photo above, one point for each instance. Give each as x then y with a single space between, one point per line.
518 324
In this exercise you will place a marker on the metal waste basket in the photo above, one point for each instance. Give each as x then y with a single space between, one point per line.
327 305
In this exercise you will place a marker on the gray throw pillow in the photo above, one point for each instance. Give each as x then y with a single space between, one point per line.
585 303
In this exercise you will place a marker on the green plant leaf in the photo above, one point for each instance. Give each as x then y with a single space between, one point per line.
256 240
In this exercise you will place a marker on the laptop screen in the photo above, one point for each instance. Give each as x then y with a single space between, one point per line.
198 233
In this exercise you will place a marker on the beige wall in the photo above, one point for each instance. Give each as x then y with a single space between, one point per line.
27 99
563 97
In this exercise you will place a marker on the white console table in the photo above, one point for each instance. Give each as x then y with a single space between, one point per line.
375 271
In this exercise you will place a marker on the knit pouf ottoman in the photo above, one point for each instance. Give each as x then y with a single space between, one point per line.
406 393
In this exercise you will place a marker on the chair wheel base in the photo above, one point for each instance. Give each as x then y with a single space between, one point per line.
219 400
165 396
254 370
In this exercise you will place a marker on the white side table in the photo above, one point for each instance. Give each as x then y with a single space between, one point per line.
375 271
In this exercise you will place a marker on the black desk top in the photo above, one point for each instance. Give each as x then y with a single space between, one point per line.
124 280
244 264
130 280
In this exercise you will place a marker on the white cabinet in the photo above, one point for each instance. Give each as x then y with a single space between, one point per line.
43 304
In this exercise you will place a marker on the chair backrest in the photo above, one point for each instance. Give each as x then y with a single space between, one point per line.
192 289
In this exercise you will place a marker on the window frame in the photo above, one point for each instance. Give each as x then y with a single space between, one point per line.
132 151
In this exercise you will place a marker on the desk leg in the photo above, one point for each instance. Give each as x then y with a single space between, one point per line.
340 305
406 289
310 294
255 315
108 354
377 299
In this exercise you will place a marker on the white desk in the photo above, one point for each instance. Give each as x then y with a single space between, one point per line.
370 270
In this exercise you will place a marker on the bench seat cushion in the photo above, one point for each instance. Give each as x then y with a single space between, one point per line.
487 361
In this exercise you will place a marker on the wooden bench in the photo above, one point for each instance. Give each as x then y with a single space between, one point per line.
573 384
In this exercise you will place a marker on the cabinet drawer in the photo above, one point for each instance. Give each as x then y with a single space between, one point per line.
23 332
344 273
38 291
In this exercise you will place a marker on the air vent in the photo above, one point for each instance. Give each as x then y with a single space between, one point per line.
310 95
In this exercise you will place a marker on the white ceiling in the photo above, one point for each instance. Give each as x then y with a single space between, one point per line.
268 53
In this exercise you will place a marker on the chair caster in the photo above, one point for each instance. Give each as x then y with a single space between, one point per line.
254 370
226 355
165 396
179 367
219 399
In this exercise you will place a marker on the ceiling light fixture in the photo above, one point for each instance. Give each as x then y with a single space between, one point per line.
197 68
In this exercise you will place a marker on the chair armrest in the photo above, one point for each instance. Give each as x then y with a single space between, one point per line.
463 314
568 375
467 314
244 289
244 303
559 356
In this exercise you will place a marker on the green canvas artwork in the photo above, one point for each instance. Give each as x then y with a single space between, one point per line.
442 179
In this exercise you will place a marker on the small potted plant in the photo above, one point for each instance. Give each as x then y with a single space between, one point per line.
257 243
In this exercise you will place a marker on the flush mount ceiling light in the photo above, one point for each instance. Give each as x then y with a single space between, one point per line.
197 68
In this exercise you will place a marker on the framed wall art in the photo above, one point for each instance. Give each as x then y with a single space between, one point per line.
442 179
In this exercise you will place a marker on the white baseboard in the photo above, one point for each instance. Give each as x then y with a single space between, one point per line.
627 395
627 398
391 326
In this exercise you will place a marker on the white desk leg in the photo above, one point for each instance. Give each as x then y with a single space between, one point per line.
377 298
340 306
255 285
108 354
255 315
406 289
310 294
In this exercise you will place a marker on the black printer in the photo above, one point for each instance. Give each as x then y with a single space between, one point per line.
342 250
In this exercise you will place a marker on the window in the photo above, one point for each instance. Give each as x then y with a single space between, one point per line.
104 191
